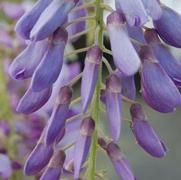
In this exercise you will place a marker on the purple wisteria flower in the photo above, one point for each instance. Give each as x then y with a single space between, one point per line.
145 134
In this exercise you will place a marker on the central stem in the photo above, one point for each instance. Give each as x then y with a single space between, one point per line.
95 106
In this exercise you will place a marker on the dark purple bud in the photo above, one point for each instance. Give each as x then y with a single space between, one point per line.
169 27
27 21
38 159
90 75
51 18
27 61
153 8
77 27
145 134
125 57
170 64
56 123
119 162
102 143
158 89
49 68
134 11
127 85
32 101
82 144
54 168
114 105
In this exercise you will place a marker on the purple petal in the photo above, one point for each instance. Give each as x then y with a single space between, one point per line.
51 18
27 61
169 27
51 173
38 159
32 101
90 75
170 64
77 27
114 105
124 54
134 11
28 20
145 134
13 10
5 39
82 145
153 8
158 89
120 164
128 86
5 166
49 68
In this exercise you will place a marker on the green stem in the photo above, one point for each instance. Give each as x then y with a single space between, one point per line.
95 106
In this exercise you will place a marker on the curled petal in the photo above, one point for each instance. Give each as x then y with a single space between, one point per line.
114 105
38 159
134 11
51 18
90 75
158 89
25 64
32 101
153 8
168 27
125 57
49 69
28 20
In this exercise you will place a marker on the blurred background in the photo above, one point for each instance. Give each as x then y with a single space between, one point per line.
168 126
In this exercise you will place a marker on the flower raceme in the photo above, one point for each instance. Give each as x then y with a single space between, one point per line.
69 141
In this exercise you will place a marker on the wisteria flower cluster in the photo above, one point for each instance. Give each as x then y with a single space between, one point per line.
70 139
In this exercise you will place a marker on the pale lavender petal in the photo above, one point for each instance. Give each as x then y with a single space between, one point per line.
32 101
134 11
5 166
49 68
153 8
51 18
169 27
27 61
90 75
28 20
114 105
5 39
125 57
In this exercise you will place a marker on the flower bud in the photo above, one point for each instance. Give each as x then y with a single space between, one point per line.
125 57
114 105
49 68
51 18
170 64
153 8
56 123
119 162
27 61
32 101
168 27
38 158
28 20
82 144
134 11
145 134
54 168
90 75
158 89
